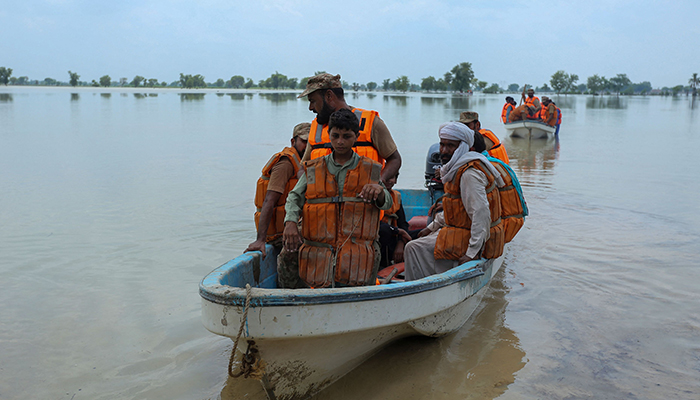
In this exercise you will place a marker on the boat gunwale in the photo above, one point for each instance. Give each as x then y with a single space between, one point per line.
261 297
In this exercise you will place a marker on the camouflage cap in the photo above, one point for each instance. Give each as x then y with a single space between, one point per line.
466 117
302 130
321 81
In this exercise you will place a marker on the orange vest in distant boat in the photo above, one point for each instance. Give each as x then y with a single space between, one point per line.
549 114
497 150
507 109
390 217
339 228
453 239
320 141
277 222
531 102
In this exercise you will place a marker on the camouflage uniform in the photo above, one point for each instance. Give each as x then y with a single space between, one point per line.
288 270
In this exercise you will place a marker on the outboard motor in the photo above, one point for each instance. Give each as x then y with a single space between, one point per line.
432 162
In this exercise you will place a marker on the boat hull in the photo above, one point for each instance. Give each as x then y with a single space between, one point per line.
529 129
309 338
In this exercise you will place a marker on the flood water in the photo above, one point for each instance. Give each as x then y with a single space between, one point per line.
114 204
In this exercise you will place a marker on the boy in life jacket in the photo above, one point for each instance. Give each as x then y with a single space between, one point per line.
279 176
470 225
339 197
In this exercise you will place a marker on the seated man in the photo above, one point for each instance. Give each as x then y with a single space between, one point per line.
507 109
340 195
523 112
279 176
533 102
493 145
472 226
393 229
549 112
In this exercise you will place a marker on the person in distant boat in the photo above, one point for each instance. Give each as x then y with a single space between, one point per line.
325 94
533 102
556 133
549 111
339 197
522 112
394 231
279 176
470 226
493 145
507 109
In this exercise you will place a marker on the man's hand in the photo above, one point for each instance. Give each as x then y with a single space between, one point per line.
424 232
464 259
291 236
435 208
398 252
404 236
257 245
371 192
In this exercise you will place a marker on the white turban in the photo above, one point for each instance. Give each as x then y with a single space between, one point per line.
460 132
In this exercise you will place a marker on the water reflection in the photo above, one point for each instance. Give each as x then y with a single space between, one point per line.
139 95
279 97
565 102
153 95
431 101
5 97
533 159
220 94
74 97
105 95
238 96
191 96
371 95
613 102
400 100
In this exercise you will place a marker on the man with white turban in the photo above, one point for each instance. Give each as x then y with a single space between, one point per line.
457 148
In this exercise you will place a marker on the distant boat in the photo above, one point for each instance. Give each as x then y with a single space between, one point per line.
529 129
299 341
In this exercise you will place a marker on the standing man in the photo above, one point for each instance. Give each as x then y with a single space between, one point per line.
556 133
493 145
471 225
533 103
507 108
279 176
325 94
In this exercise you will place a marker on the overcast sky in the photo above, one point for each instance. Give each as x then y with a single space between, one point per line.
506 41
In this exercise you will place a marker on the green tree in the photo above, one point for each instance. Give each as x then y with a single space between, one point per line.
292 83
13 81
355 86
571 83
513 87
581 88
559 81
448 79
440 85
73 78
619 82
236 82
494 88
190 81
152 82
482 84
136 82
386 83
123 82
462 76
5 74
219 83
694 82
401 83
105 81
50 82
371 86
596 83
249 83
94 83
23 80
428 83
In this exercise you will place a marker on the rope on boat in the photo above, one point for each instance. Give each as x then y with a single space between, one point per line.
240 332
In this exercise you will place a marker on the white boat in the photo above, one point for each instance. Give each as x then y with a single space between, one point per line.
530 129
299 341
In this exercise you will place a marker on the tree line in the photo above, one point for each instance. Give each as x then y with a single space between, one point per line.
458 79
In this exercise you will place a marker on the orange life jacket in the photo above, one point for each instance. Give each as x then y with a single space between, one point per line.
390 217
504 113
531 102
558 115
453 239
276 226
339 229
498 150
512 213
549 114
320 141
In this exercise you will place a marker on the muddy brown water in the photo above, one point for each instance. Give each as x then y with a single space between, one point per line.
114 205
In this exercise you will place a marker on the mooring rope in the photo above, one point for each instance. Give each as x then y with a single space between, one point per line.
240 332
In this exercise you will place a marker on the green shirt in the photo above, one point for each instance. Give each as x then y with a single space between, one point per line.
297 197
